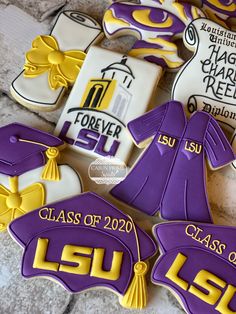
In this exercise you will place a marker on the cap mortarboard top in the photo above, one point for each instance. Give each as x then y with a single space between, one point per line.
85 242
29 174
197 264
24 148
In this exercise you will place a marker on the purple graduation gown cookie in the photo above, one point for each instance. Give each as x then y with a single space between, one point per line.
170 175
197 263
85 242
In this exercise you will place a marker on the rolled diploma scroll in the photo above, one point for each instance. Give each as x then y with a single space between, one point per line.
73 30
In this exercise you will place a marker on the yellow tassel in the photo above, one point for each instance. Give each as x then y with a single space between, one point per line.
51 171
136 294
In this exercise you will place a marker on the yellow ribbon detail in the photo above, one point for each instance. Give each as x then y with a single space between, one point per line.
14 203
45 55
136 295
51 171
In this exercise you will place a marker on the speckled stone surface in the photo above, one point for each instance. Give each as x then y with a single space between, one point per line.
41 295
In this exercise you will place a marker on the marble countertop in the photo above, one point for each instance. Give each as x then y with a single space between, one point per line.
18 295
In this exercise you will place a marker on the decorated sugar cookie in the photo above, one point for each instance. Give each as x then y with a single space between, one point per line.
222 12
84 243
169 177
234 149
29 174
197 264
108 93
55 60
155 24
208 81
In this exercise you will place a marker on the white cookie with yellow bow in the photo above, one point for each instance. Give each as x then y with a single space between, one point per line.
54 61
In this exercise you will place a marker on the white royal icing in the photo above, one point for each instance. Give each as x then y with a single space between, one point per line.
73 30
110 90
69 185
207 81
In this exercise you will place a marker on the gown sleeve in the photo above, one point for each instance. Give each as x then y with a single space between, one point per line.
217 147
147 125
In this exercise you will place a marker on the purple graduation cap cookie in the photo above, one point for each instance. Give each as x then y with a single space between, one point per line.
84 242
155 24
197 264
170 175
29 174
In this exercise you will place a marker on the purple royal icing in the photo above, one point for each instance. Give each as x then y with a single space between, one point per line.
226 11
171 178
17 157
206 247
61 233
124 12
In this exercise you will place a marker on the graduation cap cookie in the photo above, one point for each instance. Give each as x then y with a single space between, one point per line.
169 177
198 264
54 61
85 242
29 174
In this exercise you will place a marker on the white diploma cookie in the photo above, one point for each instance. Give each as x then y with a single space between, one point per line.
54 61
207 81
111 90
54 190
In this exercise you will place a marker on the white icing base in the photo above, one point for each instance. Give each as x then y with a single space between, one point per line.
70 35
69 185
129 99
142 32
190 85
42 97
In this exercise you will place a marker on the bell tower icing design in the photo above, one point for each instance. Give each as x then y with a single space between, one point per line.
115 82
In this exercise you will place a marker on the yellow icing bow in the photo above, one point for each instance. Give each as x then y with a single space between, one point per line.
63 66
14 203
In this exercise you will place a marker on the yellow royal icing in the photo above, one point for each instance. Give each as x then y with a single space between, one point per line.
69 253
86 265
214 17
99 91
164 43
181 11
159 52
143 17
45 55
175 268
230 8
211 286
14 203
202 280
110 18
223 305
